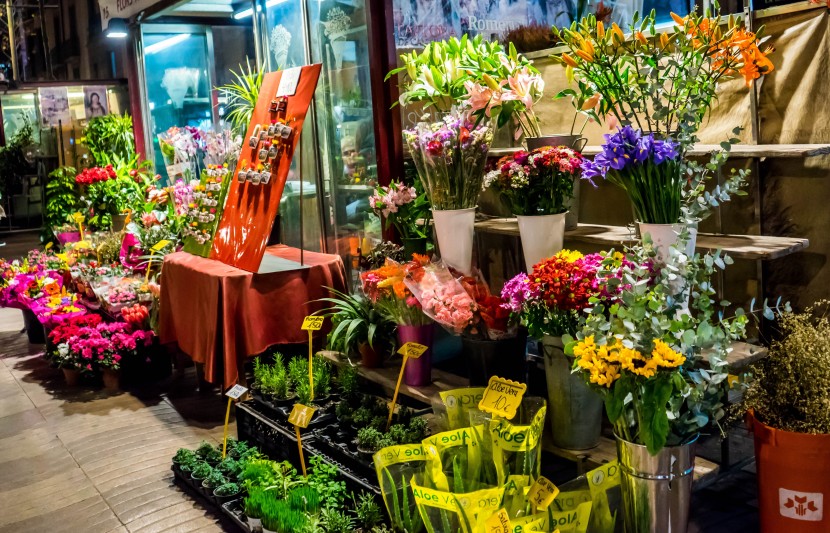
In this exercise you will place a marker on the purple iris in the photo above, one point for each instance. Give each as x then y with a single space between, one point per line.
628 147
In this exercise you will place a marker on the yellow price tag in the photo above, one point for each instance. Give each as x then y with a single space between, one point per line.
313 323
502 397
159 245
48 245
542 493
498 523
301 415
413 350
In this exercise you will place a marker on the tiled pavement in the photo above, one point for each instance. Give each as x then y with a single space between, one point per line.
82 460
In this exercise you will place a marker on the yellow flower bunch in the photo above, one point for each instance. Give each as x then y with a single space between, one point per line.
605 363
569 255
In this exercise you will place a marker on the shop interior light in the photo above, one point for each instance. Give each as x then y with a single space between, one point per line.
165 44
245 13
116 29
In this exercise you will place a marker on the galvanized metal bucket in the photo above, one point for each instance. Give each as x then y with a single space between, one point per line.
575 410
656 489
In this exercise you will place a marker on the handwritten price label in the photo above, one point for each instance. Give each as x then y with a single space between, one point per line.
413 350
236 392
159 246
542 493
502 397
313 323
301 415
498 523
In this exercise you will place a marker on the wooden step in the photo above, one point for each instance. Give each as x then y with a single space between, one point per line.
754 247
783 151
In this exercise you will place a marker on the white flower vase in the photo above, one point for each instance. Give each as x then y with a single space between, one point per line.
665 235
542 236
454 231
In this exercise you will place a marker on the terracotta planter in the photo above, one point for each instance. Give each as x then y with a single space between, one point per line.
369 357
112 379
71 376
793 479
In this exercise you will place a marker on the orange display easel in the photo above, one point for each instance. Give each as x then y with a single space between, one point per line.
250 209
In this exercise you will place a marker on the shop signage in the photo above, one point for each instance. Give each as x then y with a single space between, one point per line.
300 417
498 523
121 9
234 393
502 397
542 493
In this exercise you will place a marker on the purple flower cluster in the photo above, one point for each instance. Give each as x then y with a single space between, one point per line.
517 291
625 148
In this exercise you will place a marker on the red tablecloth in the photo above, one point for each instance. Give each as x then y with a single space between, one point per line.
219 314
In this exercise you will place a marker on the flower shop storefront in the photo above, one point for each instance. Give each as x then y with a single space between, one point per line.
558 315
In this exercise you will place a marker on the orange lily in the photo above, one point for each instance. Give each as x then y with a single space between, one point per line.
678 19
568 60
584 55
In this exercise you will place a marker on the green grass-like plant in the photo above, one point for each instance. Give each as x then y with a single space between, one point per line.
242 95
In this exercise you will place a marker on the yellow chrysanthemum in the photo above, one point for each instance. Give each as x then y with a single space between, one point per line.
570 256
665 356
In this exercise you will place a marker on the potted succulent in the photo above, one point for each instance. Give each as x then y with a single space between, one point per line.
358 327
226 492
787 400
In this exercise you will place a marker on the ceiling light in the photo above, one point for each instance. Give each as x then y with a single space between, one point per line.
116 29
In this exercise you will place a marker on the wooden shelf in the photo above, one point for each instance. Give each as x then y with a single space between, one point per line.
783 151
756 247
386 377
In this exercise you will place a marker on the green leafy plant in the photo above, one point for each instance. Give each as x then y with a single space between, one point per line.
201 471
227 489
110 139
322 377
304 499
188 465
355 321
254 501
337 520
205 449
230 467
278 516
184 455
348 382
14 163
273 380
367 511
258 473
242 95
324 478
214 479
62 200
403 512
790 389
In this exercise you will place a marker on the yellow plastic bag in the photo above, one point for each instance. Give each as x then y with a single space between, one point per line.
450 512
397 467
459 404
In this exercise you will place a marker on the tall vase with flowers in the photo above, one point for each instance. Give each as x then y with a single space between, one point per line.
647 361
386 289
465 81
551 301
630 77
492 341
538 186
402 207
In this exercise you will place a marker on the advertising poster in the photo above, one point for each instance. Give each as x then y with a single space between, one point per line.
95 101
54 106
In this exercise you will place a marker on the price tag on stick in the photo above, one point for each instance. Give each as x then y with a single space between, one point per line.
311 323
542 493
300 417
234 393
502 397
498 523
409 350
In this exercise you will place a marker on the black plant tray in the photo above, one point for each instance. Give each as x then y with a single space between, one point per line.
234 510
195 488
275 440
342 448
279 414
353 472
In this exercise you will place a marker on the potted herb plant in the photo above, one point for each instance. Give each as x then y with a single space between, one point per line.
273 381
213 480
226 492
183 455
358 327
370 440
253 508
538 186
208 453
787 399
200 472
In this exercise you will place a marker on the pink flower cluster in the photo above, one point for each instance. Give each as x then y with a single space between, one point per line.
388 199
450 305
522 86
103 345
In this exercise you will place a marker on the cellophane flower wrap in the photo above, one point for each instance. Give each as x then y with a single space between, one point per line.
449 156
553 298
648 169
540 182
180 148
55 309
463 305
387 290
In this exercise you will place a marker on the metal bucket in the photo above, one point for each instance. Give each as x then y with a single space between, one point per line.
575 410
656 489
577 142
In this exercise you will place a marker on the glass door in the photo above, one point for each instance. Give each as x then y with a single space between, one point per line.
179 78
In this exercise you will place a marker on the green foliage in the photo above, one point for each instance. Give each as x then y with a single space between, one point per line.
227 489
242 95
348 382
109 198
254 502
184 455
201 470
214 479
205 450
791 387
188 465
355 321
110 139
62 199
258 473
13 163
322 377
230 467
304 499
323 478
403 513
367 511
278 516
337 521
272 379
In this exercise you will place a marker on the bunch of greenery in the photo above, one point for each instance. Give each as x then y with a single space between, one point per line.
644 353
355 321
227 489
348 383
208 452
273 380
110 139
790 389
62 200
241 95
214 479
201 471
14 163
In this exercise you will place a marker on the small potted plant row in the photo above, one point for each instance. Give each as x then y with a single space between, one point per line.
210 475
278 386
